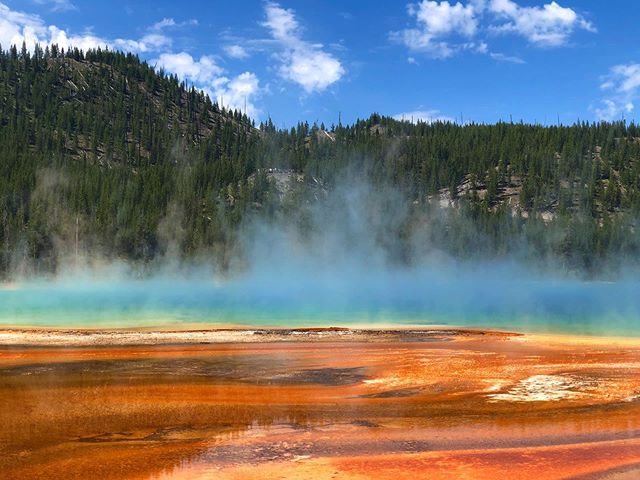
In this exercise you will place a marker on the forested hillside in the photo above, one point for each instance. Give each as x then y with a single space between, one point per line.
101 153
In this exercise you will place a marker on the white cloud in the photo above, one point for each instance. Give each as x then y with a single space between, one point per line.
164 23
65 40
239 93
18 27
624 79
501 57
282 23
442 18
425 116
58 5
622 85
171 23
151 42
154 40
312 69
186 67
443 29
236 51
304 63
437 23
609 110
550 25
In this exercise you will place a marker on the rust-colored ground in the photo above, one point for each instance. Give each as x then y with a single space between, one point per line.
394 406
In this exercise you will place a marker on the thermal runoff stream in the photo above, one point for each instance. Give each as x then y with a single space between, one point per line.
498 297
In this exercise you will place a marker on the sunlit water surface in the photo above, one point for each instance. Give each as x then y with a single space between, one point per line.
479 298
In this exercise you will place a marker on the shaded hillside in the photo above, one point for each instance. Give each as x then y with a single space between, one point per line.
101 147
103 106
101 154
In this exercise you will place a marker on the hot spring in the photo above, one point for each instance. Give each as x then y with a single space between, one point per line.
488 297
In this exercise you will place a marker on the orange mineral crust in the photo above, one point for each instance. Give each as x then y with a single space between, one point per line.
318 404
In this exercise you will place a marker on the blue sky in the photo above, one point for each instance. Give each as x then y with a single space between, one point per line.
475 60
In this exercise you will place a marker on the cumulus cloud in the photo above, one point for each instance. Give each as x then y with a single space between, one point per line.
65 40
436 23
424 116
186 67
442 29
151 42
18 27
237 93
622 85
548 26
314 70
302 62
236 51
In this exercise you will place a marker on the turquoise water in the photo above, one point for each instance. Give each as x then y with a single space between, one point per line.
478 298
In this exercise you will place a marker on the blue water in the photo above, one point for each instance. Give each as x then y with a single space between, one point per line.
479 298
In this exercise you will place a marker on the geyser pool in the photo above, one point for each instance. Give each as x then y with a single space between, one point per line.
502 299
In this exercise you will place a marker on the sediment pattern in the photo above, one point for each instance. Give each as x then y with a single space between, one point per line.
317 404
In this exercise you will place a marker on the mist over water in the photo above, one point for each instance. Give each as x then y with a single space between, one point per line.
342 261
492 297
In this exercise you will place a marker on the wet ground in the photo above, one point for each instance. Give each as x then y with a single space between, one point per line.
320 404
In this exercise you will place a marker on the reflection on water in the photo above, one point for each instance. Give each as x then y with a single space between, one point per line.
203 411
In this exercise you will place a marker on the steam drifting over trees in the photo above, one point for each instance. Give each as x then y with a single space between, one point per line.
100 153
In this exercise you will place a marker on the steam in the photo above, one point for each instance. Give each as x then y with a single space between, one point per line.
350 254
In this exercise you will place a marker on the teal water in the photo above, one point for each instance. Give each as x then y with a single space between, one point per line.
480 298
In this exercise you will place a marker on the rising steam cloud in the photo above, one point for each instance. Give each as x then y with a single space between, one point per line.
339 257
